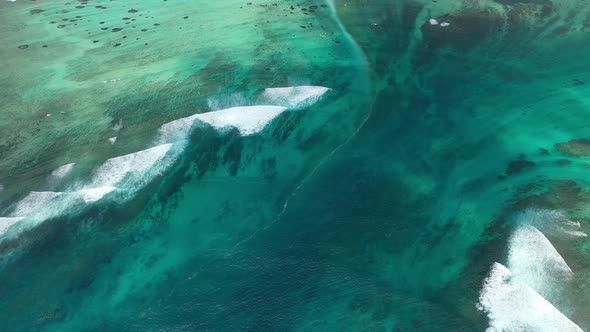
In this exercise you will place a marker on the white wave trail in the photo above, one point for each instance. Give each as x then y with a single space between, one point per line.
248 120
293 97
133 166
550 222
34 203
40 206
176 130
534 261
94 194
132 171
227 101
6 222
62 171
514 306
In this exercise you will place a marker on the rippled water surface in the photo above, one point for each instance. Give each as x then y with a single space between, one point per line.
385 165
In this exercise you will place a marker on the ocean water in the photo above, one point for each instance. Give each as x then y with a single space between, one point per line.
311 165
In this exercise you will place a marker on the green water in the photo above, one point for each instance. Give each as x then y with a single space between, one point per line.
379 205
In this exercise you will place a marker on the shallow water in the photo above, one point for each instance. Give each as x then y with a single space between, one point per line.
312 165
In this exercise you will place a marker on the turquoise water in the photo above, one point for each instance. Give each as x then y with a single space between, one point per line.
275 166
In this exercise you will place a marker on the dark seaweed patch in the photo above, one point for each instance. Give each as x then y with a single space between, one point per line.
518 166
575 148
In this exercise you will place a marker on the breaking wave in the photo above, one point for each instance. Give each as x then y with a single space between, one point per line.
129 173
512 305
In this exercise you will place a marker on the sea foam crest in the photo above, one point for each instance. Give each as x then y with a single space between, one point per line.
534 261
512 305
34 203
131 167
95 194
134 170
227 101
248 120
176 130
6 222
62 171
293 97
550 222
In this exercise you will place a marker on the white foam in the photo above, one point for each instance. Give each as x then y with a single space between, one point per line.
513 306
113 171
248 120
551 222
227 101
113 139
62 171
132 171
445 24
94 194
575 224
533 260
293 97
118 126
176 130
34 203
575 233
6 222
433 21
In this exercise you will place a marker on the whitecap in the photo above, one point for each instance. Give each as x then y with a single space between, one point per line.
176 130
293 97
6 222
95 194
551 222
514 306
118 126
433 21
34 203
62 171
133 166
113 139
227 101
248 120
575 233
445 24
533 260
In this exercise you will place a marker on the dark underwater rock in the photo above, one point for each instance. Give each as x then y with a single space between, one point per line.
575 148
517 166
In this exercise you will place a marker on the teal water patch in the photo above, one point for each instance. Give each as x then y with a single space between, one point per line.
312 166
